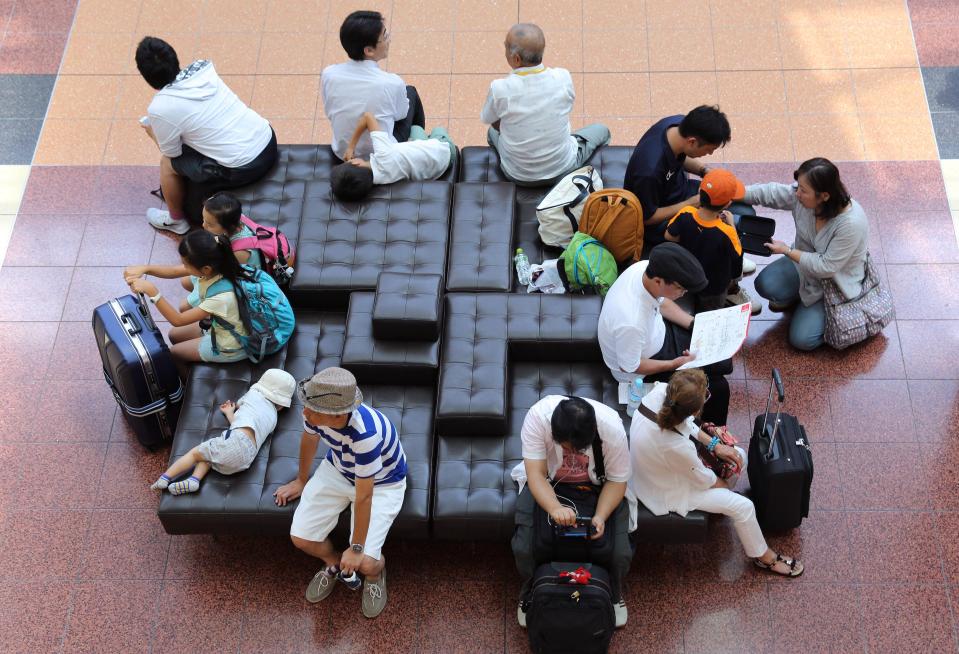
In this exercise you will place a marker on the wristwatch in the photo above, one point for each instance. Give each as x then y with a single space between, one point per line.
156 298
356 547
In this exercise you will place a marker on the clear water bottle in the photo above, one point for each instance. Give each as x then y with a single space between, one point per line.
522 267
634 396
352 581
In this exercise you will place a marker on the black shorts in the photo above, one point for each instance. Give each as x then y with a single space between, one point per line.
201 169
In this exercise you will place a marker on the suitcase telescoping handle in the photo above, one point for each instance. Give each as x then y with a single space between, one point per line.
766 446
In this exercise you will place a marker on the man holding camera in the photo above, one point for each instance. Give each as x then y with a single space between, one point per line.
572 441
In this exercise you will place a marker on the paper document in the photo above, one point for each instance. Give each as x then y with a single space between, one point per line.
718 335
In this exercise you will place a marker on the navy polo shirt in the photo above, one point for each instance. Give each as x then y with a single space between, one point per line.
654 173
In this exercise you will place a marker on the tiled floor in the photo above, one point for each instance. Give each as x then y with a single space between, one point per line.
84 564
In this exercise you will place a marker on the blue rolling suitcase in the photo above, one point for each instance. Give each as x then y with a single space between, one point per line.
139 368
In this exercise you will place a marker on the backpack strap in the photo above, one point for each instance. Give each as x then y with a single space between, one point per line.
579 249
585 188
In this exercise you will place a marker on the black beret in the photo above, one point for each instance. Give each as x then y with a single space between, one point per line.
675 263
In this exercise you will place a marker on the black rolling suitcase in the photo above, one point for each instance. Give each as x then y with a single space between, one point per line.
564 617
139 368
780 465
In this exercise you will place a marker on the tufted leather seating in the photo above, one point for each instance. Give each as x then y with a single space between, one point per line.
243 503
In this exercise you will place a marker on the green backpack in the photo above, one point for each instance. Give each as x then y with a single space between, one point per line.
588 264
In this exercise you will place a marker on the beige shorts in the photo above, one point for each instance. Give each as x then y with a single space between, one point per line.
229 456
328 493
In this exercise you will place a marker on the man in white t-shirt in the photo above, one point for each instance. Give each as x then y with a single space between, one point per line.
359 85
421 158
559 447
204 131
528 113
635 339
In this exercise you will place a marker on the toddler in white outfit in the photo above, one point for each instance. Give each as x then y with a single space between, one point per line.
252 419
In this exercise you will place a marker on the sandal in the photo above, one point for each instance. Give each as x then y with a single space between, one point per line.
795 567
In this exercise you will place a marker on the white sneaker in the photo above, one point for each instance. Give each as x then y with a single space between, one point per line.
521 615
161 220
749 266
742 297
619 610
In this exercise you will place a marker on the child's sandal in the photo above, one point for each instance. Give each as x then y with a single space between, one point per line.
795 567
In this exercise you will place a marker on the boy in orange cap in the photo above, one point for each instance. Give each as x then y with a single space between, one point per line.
708 232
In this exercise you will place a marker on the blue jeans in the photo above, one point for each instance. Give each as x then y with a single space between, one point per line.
779 282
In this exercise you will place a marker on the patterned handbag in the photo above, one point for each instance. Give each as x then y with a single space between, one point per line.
851 321
723 469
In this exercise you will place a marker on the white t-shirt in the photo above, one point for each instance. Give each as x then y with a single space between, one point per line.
631 327
257 413
352 88
416 160
533 106
199 110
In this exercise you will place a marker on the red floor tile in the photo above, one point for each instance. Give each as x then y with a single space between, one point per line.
939 462
31 244
47 16
932 11
872 411
208 558
127 544
19 408
112 616
656 620
907 618
726 617
935 44
461 616
74 411
91 287
121 240
33 616
822 544
191 613
75 354
815 618
279 619
807 399
924 291
74 486
33 294
826 491
947 526
43 544
935 406
128 471
22 345
888 186
930 348
867 471
60 190
894 546
126 190
923 237
31 53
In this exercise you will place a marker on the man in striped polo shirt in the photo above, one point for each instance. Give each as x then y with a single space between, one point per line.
365 467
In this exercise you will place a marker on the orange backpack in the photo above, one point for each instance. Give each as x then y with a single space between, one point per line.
614 217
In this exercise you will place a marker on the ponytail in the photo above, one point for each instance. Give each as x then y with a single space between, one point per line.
685 396
201 248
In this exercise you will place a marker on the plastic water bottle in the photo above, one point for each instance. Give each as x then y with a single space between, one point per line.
522 267
634 396
353 581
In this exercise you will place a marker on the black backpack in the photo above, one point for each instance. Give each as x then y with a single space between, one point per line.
564 617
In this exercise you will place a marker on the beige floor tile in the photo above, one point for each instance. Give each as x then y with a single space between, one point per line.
491 15
479 52
856 11
552 15
242 85
333 52
897 45
296 16
72 142
950 175
468 94
752 48
128 145
159 17
13 180
743 13
695 15
820 91
752 92
421 52
467 131
84 96
98 53
286 96
616 94
677 50
677 93
322 132
605 52
616 16
289 53
623 131
898 137
232 53
434 91
809 10
340 9
759 138
813 44
293 130
6 231
564 50
106 16
135 96
233 15
415 17
834 136
892 90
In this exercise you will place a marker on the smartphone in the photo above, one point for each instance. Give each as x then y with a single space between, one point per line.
582 529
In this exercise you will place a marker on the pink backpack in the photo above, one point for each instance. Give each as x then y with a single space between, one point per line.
275 248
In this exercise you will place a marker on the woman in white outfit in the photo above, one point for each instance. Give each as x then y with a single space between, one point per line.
669 476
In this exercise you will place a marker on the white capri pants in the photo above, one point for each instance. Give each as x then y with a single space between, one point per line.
737 507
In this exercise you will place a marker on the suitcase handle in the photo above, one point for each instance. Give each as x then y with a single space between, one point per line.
132 326
766 448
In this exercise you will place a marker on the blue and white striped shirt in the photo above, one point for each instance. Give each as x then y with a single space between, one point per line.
367 447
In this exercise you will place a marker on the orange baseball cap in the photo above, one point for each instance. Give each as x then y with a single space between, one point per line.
722 187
